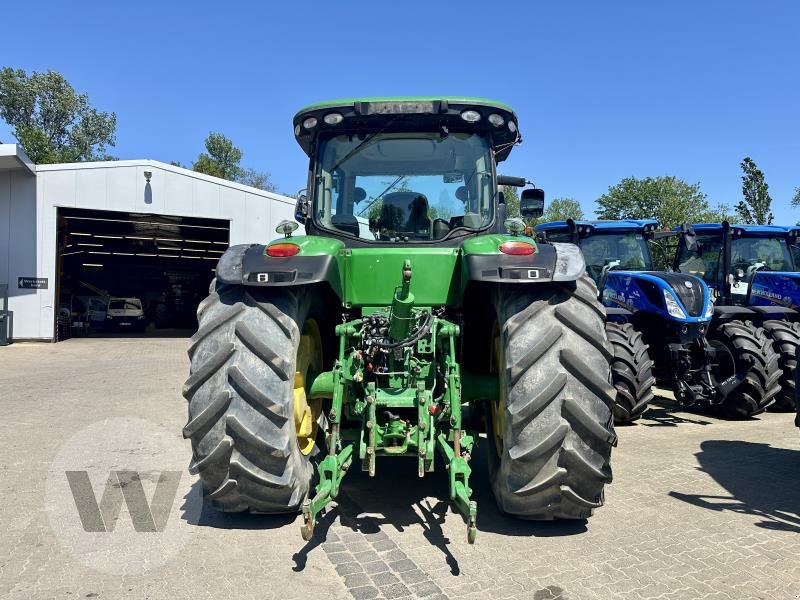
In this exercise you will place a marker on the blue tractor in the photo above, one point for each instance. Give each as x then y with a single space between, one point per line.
657 323
752 272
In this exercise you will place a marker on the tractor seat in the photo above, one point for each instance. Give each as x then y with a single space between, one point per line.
346 223
405 213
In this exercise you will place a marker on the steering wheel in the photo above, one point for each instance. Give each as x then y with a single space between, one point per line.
597 270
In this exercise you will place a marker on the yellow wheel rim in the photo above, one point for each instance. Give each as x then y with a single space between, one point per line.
308 364
499 403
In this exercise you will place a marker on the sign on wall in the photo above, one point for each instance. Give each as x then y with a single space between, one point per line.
32 283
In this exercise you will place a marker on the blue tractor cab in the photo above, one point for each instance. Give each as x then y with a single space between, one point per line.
752 271
657 321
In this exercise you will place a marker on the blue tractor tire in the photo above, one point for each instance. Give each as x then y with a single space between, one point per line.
632 372
752 355
785 337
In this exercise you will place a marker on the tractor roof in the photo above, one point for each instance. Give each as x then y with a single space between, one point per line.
607 226
754 230
407 113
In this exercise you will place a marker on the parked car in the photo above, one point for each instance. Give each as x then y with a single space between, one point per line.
125 314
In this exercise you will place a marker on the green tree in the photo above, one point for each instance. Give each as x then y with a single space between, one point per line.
667 199
757 203
257 179
511 197
561 209
221 158
51 121
796 198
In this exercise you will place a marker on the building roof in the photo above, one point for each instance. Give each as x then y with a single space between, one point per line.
113 164
13 158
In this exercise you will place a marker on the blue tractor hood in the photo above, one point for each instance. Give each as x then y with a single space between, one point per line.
676 296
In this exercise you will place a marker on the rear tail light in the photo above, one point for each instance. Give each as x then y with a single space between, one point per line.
517 248
282 250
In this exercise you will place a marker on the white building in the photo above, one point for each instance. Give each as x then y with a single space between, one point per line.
123 228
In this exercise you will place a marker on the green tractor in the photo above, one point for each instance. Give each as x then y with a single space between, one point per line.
412 319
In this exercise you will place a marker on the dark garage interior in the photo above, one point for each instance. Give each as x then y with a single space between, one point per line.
133 274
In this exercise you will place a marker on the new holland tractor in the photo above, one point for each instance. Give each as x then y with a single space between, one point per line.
409 298
752 271
657 322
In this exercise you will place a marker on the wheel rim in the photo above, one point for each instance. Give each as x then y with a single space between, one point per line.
726 364
498 404
308 364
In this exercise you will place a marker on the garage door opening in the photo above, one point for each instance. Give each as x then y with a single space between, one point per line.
132 274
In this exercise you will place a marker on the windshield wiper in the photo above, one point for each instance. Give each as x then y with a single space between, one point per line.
365 142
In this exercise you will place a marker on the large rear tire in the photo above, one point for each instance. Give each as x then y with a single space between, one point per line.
785 337
249 360
632 372
751 352
552 425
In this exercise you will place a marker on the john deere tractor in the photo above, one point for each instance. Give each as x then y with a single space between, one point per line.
410 298
657 321
752 271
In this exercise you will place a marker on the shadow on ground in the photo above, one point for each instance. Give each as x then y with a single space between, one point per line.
397 498
761 480
664 412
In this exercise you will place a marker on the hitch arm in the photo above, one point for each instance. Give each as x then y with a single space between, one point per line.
459 471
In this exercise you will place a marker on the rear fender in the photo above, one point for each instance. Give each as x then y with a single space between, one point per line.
483 261
316 262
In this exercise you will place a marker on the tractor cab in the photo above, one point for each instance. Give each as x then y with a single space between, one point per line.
745 265
606 245
393 170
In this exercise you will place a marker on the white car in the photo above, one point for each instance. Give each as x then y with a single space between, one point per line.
125 314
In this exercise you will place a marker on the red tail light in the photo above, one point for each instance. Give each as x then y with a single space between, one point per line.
517 248
282 250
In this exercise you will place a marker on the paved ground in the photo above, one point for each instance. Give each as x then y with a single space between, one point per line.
699 508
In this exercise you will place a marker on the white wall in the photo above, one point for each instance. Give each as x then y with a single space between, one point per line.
18 246
28 207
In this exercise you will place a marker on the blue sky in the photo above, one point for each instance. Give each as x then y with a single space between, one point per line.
603 90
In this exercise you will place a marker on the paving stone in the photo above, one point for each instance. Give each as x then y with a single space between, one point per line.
364 593
377 566
395 590
384 578
349 568
356 580
424 589
699 507
402 565
413 576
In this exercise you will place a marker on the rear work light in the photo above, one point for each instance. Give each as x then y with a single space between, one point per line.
517 248
282 250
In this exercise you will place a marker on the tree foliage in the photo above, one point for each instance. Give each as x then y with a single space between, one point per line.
669 200
223 159
756 206
511 197
51 121
561 209
257 179
796 198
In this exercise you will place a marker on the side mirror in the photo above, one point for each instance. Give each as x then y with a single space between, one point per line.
301 209
531 203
